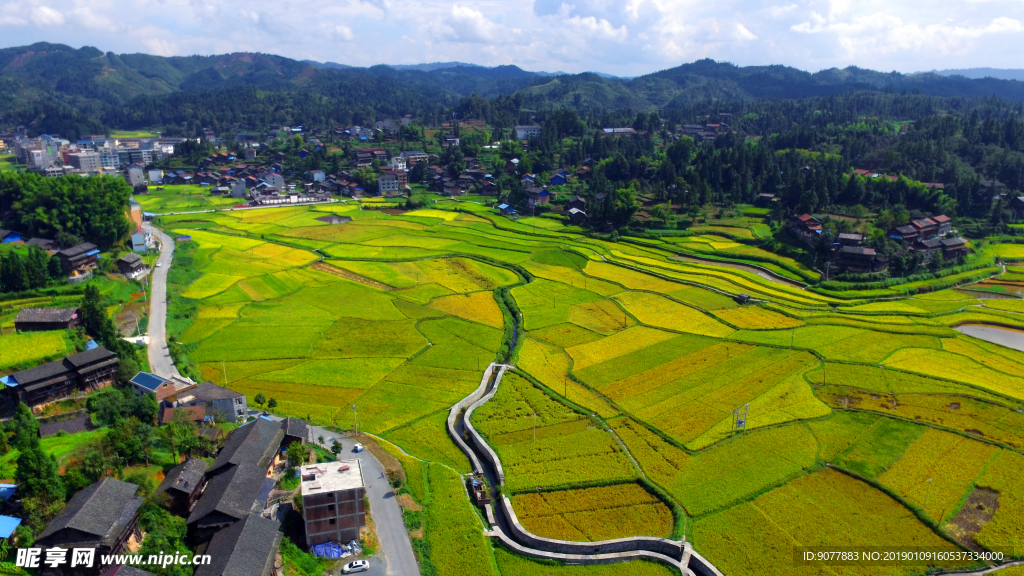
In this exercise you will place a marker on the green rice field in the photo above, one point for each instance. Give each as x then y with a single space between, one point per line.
632 366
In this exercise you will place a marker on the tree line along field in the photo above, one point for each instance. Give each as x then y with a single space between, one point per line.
868 422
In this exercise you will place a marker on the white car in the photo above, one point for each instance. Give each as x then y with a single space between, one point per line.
357 566
357 448
159 264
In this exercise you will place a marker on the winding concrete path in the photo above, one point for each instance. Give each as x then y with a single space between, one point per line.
503 524
160 362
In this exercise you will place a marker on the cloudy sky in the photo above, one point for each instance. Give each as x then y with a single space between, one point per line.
623 37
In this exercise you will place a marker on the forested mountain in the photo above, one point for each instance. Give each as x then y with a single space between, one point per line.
55 88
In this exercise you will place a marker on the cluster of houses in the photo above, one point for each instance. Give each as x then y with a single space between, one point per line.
79 261
230 507
926 237
90 156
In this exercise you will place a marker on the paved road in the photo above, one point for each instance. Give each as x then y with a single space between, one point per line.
159 358
397 558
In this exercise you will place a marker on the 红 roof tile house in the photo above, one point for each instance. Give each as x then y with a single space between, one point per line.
945 224
103 516
806 228
247 548
184 484
226 405
34 319
926 227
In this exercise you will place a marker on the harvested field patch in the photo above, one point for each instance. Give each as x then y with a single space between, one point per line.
757 318
477 307
661 312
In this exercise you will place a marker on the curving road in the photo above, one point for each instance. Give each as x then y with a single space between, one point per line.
160 362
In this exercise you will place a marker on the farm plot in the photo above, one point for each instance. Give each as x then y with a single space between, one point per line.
937 470
984 420
866 444
757 318
428 439
550 366
477 307
592 514
708 389
956 367
661 312
620 344
30 347
454 532
816 510
1006 528
564 449
544 302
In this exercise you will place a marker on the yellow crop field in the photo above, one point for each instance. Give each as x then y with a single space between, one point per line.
1009 251
792 399
630 279
661 312
1006 305
661 462
675 369
996 357
206 239
817 510
565 335
601 316
428 213
757 318
1006 529
936 471
956 367
613 346
26 346
550 366
592 514
476 307
210 284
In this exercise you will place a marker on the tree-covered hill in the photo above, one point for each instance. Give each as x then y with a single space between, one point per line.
56 88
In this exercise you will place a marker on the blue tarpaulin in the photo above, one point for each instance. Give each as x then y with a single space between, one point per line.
7 526
328 550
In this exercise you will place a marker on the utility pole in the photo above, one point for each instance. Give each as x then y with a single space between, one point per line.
224 371
534 427
355 418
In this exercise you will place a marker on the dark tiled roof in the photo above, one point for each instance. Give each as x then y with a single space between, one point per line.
184 476
103 510
295 427
42 243
254 443
46 314
246 548
74 425
858 251
209 391
78 250
954 242
233 493
130 258
211 432
88 357
42 372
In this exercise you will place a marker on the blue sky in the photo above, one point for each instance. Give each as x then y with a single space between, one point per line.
623 37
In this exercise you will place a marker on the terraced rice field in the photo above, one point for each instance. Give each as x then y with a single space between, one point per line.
630 367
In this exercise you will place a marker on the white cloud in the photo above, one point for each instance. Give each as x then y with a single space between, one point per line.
742 33
628 37
46 16
465 24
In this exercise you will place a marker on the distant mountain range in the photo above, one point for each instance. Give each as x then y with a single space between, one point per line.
53 83
976 73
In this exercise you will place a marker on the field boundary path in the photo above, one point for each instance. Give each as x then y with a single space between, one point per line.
504 525
160 362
